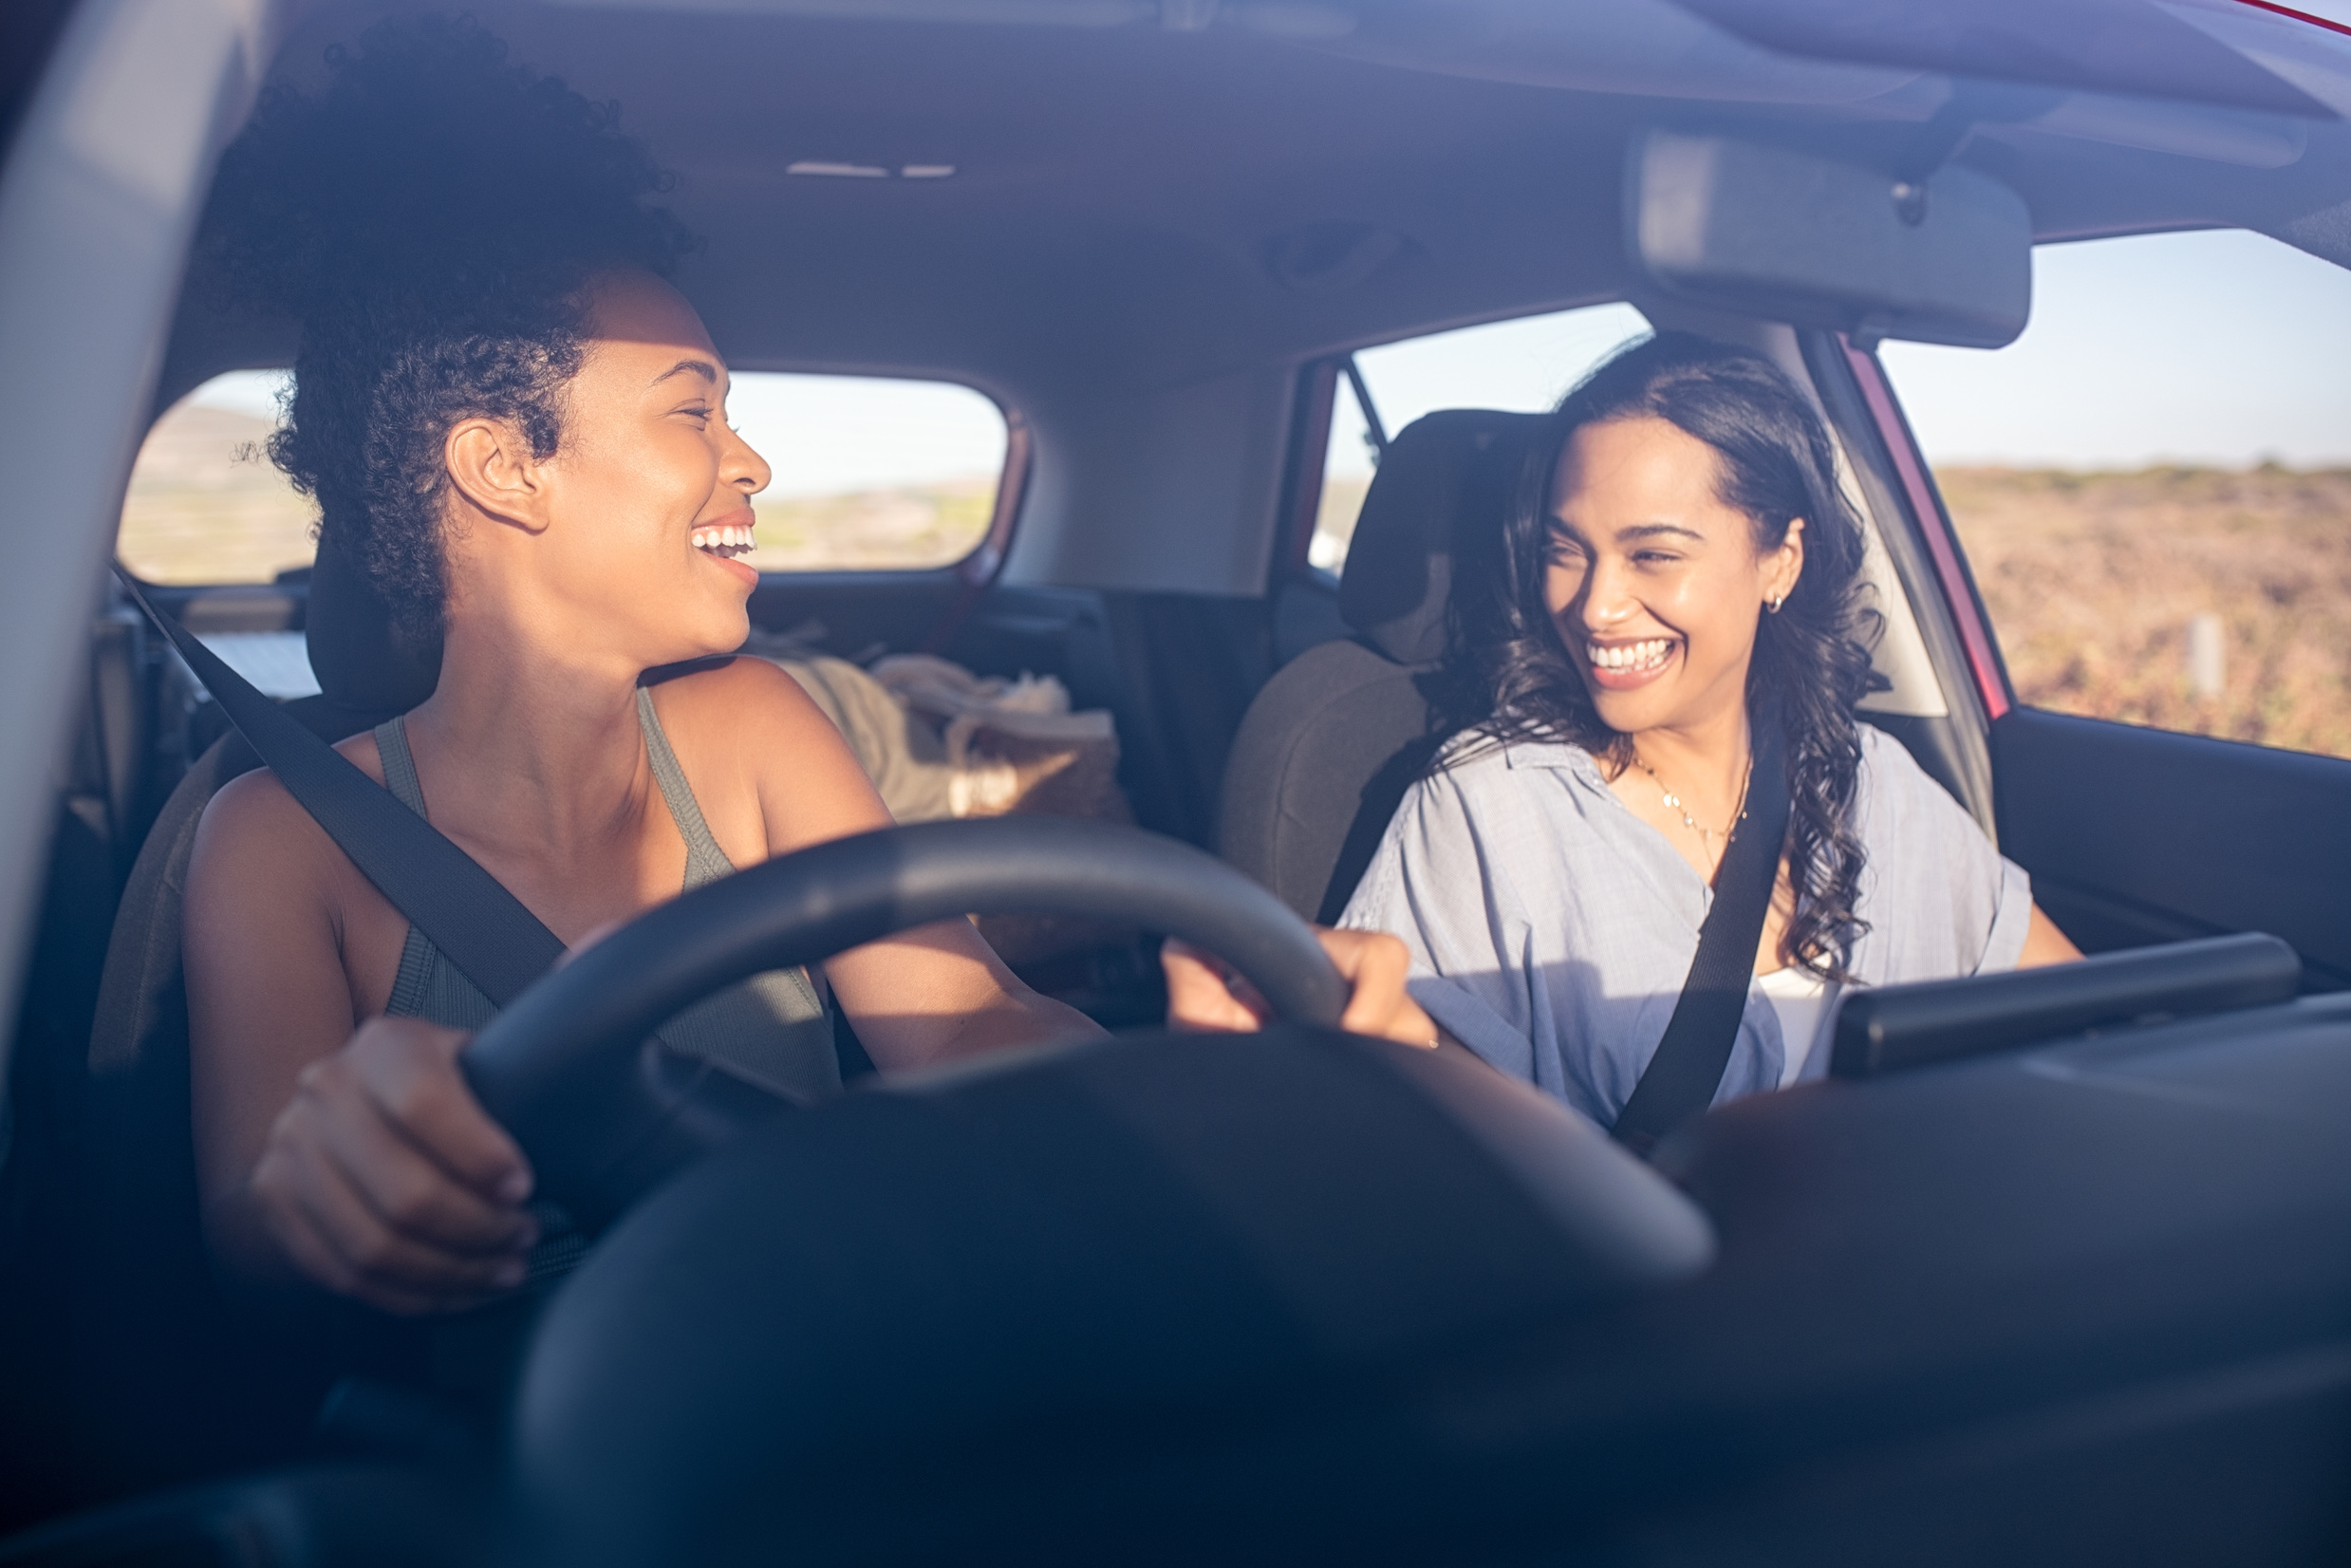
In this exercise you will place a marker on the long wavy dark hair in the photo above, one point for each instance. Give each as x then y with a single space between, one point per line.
430 216
1812 658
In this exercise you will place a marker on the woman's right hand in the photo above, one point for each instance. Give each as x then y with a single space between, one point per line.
1208 995
385 1180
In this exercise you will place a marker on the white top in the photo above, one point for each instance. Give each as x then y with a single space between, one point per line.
1551 928
1802 1000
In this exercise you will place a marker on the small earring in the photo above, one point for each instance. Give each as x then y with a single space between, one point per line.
1774 603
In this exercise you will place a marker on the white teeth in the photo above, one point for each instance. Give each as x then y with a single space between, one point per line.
728 540
1645 655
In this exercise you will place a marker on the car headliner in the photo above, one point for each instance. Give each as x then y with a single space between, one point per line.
1118 253
1124 183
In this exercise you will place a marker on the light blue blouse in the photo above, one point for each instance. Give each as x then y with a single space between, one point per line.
1550 929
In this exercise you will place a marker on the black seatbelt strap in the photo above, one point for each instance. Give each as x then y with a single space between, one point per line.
1681 1079
461 908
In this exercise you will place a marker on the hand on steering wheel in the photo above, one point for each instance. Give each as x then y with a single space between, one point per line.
385 1180
1208 995
390 1182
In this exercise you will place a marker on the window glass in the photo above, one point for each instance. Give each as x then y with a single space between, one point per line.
204 503
2153 484
871 474
1346 480
1524 365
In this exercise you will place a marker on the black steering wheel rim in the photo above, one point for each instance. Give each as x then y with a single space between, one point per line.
603 1112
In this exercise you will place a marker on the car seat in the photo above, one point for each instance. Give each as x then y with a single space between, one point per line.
170 1388
1334 739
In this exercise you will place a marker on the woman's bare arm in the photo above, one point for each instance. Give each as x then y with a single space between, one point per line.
348 1156
924 996
939 992
2045 944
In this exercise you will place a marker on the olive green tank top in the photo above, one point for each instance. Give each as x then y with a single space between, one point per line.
771 1029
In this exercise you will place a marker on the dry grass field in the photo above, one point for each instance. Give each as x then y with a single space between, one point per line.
205 506
2094 581
879 530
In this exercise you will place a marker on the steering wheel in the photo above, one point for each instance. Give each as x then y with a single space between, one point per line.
604 1112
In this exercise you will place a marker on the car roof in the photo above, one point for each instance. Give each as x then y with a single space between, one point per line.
1147 193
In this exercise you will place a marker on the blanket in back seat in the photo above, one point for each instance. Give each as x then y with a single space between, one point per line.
939 741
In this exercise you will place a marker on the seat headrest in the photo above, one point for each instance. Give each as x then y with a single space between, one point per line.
1441 496
358 662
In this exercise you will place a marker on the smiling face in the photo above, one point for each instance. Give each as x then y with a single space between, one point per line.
1655 584
625 537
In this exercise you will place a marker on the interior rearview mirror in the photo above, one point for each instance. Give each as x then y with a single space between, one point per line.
1795 236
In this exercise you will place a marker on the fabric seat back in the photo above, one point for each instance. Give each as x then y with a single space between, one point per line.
174 1387
1337 736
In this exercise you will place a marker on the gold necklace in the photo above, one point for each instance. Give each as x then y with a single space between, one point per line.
1673 803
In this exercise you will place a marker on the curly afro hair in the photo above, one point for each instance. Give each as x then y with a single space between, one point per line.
430 216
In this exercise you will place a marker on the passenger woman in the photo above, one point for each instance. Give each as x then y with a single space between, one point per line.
1682 571
517 429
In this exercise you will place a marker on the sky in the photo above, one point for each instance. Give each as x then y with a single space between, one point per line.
2215 348
2220 348
1523 366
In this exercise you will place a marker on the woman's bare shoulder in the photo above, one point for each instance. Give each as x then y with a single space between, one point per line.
742 708
735 690
253 823
749 720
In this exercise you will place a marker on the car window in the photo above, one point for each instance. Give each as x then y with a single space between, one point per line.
871 474
204 503
1523 366
2152 485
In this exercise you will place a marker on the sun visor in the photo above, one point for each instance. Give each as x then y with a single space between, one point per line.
1815 241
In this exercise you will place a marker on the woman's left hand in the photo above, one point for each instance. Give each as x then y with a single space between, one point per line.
1205 995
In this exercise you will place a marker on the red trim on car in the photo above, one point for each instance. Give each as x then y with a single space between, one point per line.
2299 15
1934 525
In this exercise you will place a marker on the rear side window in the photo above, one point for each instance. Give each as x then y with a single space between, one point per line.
2152 485
871 474
1524 365
204 503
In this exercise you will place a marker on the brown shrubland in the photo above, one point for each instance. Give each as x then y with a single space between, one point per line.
2094 579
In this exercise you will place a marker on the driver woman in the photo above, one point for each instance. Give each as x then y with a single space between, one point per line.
1681 569
519 429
